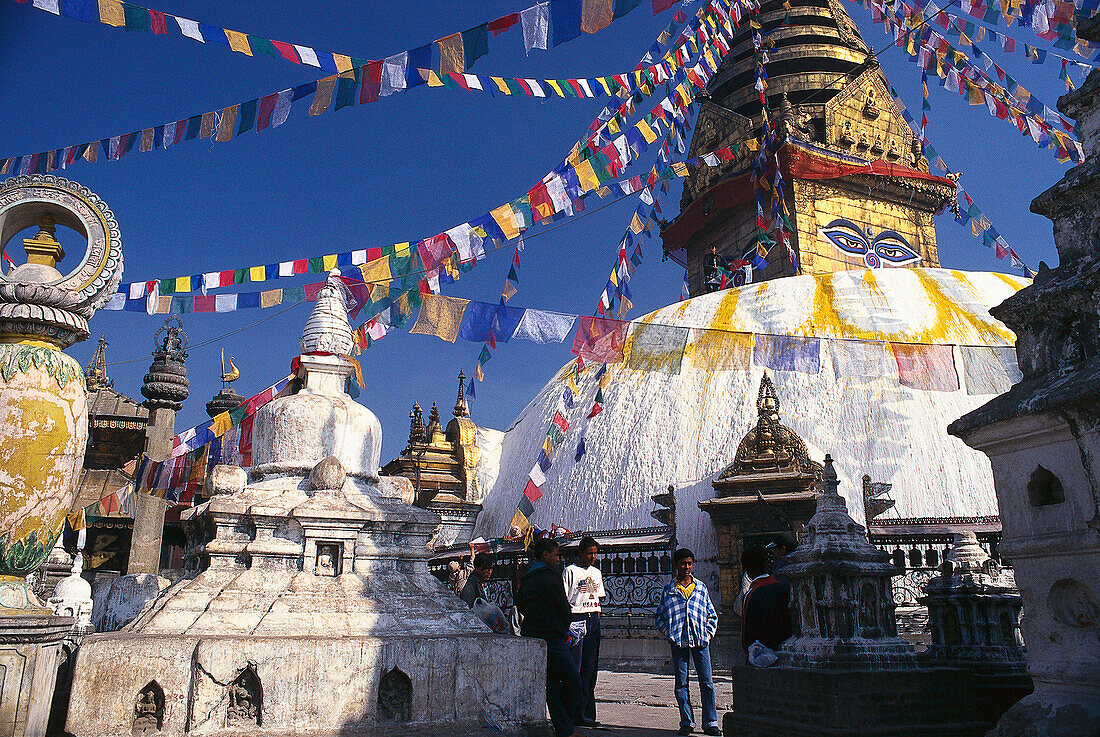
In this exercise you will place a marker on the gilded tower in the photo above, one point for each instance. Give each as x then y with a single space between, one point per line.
856 183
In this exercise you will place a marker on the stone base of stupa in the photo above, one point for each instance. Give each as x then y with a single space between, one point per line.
29 647
308 685
797 702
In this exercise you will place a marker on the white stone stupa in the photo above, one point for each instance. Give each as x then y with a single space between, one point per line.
315 613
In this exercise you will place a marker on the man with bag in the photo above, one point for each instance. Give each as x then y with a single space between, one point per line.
584 590
686 617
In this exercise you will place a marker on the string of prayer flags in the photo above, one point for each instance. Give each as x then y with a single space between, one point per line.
788 353
600 340
119 502
657 348
200 435
440 316
360 82
989 369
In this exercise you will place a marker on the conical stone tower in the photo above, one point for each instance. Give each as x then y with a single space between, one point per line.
827 93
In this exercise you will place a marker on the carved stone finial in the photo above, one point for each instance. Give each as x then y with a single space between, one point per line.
460 409
434 431
95 375
166 384
43 248
327 329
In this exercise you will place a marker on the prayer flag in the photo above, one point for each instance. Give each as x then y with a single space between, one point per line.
926 367
788 353
658 348
565 18
451 56
544 327
393 74
721 350
989 369
475 44
506 220
440 316
536 24
858 358
596 15
600 340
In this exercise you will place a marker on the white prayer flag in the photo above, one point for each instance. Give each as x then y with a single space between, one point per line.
536 23
307 55
544 327
190 29
393 73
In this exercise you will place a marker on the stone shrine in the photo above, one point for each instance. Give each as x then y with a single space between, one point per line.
1043 439
974 618
845 671
315 612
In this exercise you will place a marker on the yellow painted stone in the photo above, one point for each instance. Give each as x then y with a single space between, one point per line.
43 433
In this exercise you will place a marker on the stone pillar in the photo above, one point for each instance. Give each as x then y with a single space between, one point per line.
1043 440
43 419
165 389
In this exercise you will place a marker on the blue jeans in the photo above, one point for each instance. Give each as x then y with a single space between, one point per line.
563 687
681 657
586 654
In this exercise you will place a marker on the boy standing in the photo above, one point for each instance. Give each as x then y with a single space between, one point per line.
584 590
687 618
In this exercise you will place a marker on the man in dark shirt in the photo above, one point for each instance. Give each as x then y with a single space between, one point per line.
546 615
767 605
475 584
713 265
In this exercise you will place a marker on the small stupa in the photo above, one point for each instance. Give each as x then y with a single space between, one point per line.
314 611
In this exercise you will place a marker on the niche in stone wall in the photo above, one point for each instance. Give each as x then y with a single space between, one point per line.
395 697
1044 488
149 709
330 559
868 610
245 700
1073 604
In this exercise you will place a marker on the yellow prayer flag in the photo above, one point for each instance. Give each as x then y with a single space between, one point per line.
220 424
752 145
343 63
595 15
329 262
164 305
183 284
478 374
452 58
613 124
553 84
637 225
519 521
506 219
680 168
111 13
546 445
605 84
227 125
440 316
646 131
257 273
76 520
401 249
322 98
377 272
270 298
434 80
238 42
587 175
717 350
206 124
499 82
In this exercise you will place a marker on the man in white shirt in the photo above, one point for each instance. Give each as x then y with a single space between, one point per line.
584 590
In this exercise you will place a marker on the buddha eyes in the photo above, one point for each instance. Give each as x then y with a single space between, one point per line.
889 245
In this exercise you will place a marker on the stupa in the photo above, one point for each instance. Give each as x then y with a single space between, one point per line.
315 612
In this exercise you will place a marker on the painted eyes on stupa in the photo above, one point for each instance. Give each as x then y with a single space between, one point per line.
888 246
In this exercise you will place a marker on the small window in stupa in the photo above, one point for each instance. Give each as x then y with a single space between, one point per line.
1044 488
395 697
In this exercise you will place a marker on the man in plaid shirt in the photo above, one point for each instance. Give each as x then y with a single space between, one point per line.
687 618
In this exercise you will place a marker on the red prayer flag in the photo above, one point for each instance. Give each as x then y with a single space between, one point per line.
372 82
502 24
541 205
659 6
225 278
561 422
532 492
204 303
926 367
312 290
267 106
596 409
301 266
157 23
600 339
286 50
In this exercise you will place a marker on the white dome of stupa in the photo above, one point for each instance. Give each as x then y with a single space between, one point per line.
681 426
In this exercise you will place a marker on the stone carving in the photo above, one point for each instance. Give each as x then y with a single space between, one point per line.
395 697
245 699
892 151
876 146
328 474
875 500
1073 604
846 135
149 710
166 385
870 108
329 558
863 142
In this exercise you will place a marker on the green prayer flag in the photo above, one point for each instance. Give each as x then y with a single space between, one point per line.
294 294
512 275
263 45
485 355
317 265
167 286
194 124
475 43
137 19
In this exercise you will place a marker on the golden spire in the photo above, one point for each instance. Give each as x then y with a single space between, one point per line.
43 248
460 404
95 375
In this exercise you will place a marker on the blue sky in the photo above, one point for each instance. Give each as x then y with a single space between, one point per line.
404 168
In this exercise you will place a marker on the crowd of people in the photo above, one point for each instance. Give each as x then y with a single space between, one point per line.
562 608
